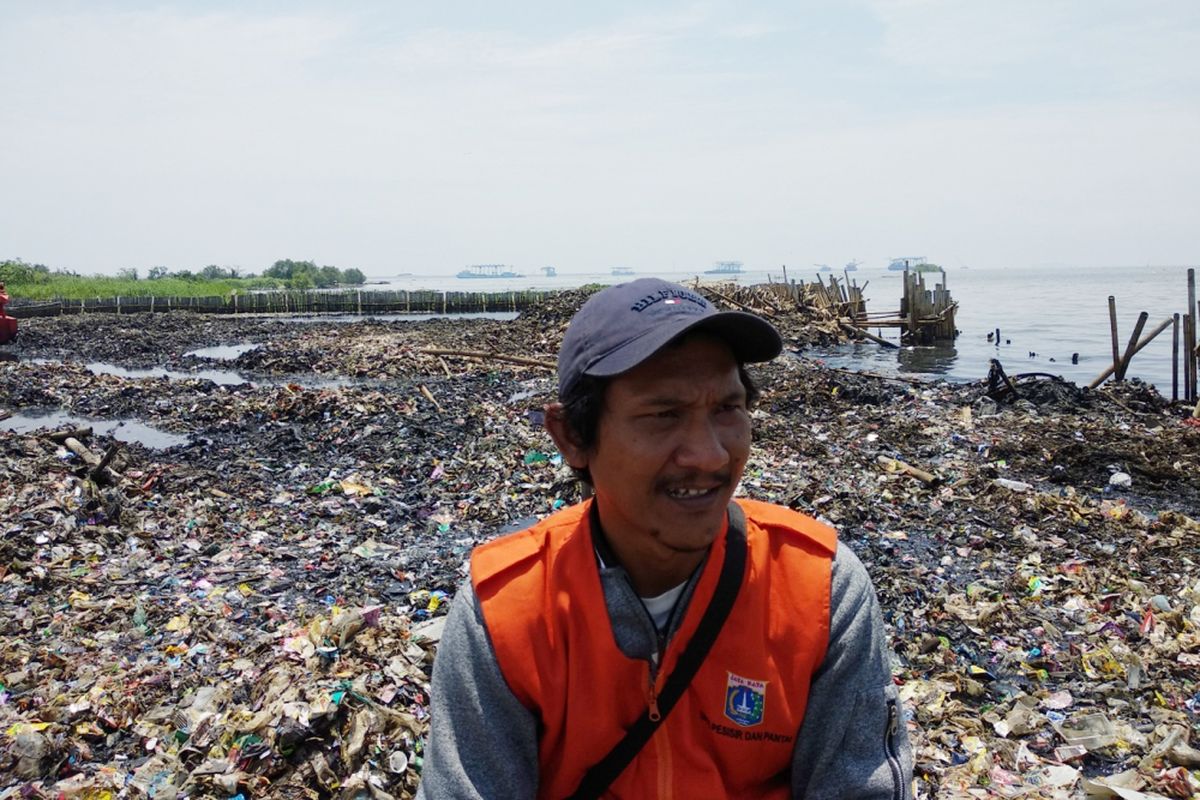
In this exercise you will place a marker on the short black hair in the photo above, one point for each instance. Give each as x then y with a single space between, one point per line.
584 404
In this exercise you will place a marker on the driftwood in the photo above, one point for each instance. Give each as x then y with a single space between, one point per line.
5 414
529 362
80 449
896 465
105 460
71 433
100 469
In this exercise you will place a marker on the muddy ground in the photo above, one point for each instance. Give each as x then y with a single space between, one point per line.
255 610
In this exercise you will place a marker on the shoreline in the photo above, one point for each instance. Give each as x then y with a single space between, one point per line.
260 583
1077 353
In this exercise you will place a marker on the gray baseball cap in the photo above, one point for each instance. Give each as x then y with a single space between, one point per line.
621 326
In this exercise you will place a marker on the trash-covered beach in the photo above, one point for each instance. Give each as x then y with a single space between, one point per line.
249 606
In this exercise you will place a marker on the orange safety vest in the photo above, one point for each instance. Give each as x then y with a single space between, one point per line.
732 732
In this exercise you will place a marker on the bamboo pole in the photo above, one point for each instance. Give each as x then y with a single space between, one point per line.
907 303
1099 379
1175 357
1190 342
1187 370
1112 323
860 332
896 465
1137 331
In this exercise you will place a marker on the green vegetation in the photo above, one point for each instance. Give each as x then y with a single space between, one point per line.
38 282
306 274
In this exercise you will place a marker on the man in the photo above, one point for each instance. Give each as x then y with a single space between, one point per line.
569 635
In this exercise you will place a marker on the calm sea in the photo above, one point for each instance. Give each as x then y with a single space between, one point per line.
1044 315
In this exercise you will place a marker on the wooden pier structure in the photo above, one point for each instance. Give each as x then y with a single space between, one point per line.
925 315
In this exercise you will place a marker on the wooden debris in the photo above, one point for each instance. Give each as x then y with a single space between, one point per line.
742 306
70 433
485 356
860 332
109 454
100 470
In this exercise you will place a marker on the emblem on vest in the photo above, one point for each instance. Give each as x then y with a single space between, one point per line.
744 700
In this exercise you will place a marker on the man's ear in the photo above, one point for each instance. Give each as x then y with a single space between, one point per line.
573 451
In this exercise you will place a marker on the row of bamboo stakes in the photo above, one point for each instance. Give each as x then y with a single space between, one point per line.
1185 324
843 298
353 301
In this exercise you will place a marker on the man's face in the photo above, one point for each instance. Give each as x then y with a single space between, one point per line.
673 440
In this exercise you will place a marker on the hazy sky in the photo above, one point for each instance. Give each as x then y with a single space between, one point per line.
420 137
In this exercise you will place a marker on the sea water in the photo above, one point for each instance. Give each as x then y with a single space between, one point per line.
1045 315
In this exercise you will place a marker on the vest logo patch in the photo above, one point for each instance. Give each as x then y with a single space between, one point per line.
744 700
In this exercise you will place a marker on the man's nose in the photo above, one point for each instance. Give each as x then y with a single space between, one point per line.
702 447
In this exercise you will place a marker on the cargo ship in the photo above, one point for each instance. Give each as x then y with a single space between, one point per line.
489 271
725 268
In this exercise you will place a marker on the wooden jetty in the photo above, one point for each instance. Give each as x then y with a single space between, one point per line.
350 301
925 315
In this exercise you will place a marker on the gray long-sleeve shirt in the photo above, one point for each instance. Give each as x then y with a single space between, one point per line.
852 744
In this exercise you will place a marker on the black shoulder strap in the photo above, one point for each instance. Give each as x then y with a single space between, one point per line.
600 776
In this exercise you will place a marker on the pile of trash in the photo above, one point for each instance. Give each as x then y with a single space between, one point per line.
255 612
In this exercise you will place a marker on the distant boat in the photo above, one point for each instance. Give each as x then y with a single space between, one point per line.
725 268
915 263
852 266
550 271
622 271
823 267
489 271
